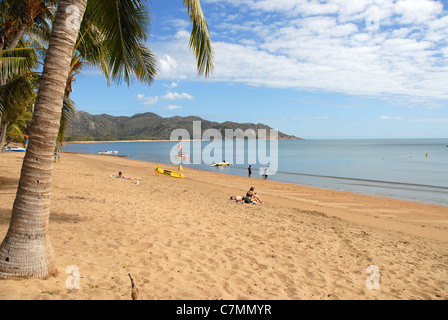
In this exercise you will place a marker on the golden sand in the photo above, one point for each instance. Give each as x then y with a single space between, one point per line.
184 238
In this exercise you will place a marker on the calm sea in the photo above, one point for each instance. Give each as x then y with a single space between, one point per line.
408 169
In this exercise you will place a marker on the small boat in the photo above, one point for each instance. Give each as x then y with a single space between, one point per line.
107 152
15 149
220 164
169 172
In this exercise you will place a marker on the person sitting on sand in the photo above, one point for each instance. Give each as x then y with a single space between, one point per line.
242 199
120 175
253 195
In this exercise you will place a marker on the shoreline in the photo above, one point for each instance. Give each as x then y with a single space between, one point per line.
111 141
186 140
369 217
184 239
403 198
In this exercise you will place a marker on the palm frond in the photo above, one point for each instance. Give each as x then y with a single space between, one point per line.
15 133
200 40
18 60
68 111
123 25
91 46
18 91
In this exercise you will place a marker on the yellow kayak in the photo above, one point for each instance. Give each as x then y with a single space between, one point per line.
220 164
169 172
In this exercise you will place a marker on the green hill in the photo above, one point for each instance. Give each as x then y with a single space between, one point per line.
146 126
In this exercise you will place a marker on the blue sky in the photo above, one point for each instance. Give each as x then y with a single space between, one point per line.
313 69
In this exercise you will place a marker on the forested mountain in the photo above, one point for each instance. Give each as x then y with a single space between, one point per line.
145 126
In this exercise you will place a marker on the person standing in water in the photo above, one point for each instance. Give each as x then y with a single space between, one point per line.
265 173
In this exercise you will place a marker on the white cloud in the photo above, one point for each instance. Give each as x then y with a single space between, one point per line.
151 101
173 107
417 11
147 101
179 23
168 65
177 96
299 118
171 85
313 45
415 120
430 120
391 118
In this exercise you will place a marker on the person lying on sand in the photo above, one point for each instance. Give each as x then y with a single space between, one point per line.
253 195
120 175
242 199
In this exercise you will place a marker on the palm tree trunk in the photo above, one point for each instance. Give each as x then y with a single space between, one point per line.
3 131
17 36
26 250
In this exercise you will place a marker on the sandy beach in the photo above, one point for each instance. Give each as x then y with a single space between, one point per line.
184 238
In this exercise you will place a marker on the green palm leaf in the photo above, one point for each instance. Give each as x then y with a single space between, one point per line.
18 91
16 61
200 40
123 25
68 110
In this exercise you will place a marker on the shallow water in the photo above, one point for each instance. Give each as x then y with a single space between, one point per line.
408 169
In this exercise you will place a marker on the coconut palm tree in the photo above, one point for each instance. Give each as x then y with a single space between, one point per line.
26 250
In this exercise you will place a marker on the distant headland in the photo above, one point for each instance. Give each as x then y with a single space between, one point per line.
84 126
